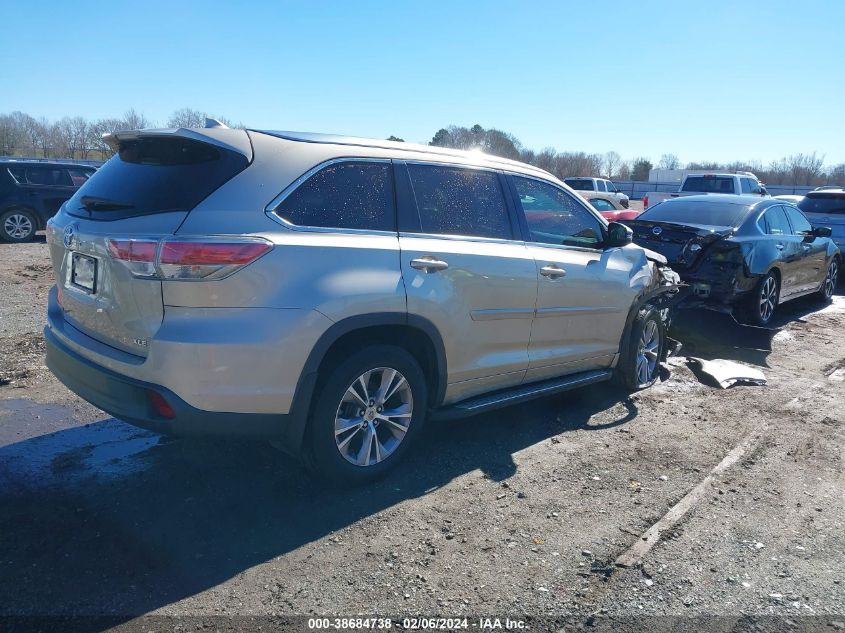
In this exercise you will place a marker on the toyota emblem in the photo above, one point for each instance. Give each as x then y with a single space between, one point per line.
69 234
657 230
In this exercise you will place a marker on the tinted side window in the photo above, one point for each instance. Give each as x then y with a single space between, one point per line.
79 176
19 174
347 195
554 217
776 222
458 201
800 225
600 186
746 185
48 176
611 187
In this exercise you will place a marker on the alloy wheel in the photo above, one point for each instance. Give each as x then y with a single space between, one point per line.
648 351
373 417
831 279
18 226
768 298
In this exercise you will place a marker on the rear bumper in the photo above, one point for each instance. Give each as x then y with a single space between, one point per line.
127 399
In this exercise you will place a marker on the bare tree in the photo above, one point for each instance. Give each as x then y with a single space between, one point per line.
668 161
612 162
836 175
133 120
97 130
624 171
186 117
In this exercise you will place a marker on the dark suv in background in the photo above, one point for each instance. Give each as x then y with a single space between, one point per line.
31 192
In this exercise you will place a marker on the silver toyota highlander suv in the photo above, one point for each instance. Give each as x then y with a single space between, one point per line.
331 293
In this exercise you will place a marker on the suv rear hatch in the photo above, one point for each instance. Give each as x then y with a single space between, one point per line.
106 242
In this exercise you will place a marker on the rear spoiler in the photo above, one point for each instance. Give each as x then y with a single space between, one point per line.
232 140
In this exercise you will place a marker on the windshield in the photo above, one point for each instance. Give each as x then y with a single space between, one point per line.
824 203
709 184
685 211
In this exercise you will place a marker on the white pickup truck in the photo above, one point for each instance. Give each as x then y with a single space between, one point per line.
738 183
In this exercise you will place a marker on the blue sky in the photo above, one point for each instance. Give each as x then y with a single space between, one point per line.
703 80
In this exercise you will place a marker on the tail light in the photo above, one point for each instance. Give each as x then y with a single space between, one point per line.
645 202
180 259
160 405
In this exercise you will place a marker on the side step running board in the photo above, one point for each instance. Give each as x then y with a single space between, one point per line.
507 397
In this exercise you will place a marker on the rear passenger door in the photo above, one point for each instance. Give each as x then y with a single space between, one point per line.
584 292
466 272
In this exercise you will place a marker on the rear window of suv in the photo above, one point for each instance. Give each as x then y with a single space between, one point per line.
580 184
155 175
346 195
709 184
825 203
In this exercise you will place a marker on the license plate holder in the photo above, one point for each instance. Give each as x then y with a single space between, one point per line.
83 272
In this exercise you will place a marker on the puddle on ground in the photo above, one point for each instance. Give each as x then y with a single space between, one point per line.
105 447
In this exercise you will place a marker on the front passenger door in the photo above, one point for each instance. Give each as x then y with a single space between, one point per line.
813 265
584 292
786 250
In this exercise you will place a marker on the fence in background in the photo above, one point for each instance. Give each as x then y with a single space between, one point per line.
636 189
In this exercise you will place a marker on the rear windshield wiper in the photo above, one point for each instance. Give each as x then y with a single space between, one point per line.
91 203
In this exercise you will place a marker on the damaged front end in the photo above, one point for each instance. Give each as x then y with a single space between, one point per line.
663 292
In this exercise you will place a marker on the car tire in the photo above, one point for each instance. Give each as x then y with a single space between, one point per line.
639 366
18 225
353 439
828 287
760 305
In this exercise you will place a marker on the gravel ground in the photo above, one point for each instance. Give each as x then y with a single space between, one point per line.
521 512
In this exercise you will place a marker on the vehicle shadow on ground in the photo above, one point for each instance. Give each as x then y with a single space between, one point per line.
711 335
146 525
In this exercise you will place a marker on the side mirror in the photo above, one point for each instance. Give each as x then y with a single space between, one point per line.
618 235
763 191
822 231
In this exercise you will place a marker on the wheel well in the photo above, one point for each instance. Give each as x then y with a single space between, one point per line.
411 339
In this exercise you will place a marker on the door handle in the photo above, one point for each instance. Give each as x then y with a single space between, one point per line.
779 246
429 264
552 271
806 247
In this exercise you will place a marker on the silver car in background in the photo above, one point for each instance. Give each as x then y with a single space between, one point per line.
331 293
826 207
